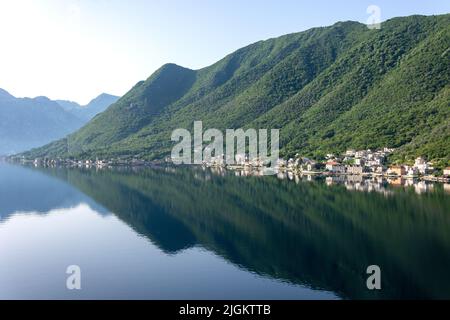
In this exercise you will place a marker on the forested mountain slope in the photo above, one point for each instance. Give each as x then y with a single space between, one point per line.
327 89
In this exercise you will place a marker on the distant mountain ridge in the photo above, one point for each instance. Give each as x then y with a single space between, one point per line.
90 110
27 123
327 89
5 94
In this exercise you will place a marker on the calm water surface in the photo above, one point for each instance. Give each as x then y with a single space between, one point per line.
195 234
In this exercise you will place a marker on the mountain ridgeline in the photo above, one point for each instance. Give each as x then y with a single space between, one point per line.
87 112
327 89
27 123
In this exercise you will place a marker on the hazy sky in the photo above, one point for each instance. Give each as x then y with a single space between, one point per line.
77 49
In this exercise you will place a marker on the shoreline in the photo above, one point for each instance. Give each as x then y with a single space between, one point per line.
276 170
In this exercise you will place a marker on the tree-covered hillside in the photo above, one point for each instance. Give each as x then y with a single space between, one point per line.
327 89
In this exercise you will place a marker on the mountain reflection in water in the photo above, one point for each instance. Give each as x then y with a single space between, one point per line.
321 234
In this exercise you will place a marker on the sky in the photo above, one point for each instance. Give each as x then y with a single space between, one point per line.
76 49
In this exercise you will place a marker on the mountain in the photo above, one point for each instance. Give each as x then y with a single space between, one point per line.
327 89
90 110
5 94
68 105
27 123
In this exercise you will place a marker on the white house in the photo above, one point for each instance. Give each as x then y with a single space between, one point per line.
412 171
360 154
335 167
447 172
355 170
421 165
350 153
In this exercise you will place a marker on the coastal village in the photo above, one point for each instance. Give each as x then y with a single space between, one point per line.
366 163
352 162
358 170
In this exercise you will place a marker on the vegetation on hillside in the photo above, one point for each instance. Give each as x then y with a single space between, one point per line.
327 89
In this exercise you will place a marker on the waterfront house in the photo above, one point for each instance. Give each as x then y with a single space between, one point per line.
397 170
412 171
377 169
421 165
335 167
355 170
447 172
